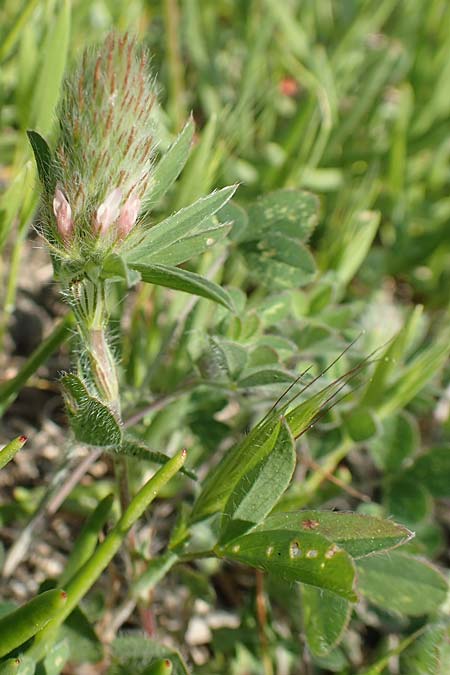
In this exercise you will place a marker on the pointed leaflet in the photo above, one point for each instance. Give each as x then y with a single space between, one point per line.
325 618
307 557
91 420
258 491
43 158
182 280
172 163
358 535
191 245
193 219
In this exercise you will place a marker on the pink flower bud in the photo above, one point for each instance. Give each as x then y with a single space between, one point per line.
63 215
128 215
108 211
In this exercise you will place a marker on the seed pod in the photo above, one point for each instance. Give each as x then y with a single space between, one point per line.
20 625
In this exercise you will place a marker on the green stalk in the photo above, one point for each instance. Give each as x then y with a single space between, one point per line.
86 543
88 574
15 32
10 389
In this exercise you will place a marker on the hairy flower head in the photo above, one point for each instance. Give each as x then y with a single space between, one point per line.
103 159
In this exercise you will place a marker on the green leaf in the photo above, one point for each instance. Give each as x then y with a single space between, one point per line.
390 358
228 355
325 618
91 420
398 440
56 658
279 261
360 424
84 645
402 584
132 654
54 51
357 534
171 164
191 245
426 655
194 219
292 213
183 280
406 499
201 168
115 268
305 557
355 246
413 377
43 158
432 469
235 215
260 377
257 492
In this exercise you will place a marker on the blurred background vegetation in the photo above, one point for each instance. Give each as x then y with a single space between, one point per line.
348 100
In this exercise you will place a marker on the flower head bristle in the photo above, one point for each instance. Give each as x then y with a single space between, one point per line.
103 158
